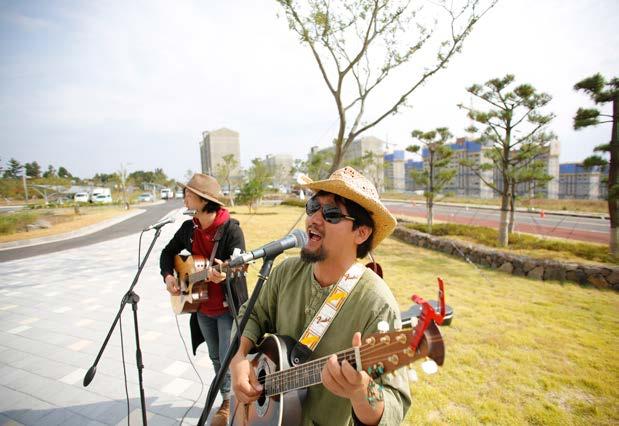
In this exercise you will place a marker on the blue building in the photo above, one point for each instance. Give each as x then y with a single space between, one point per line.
576 181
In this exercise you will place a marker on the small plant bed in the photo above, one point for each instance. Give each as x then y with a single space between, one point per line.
524 244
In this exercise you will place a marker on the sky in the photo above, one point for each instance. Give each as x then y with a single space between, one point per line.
92 86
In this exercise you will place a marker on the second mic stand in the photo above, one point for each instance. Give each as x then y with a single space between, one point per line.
133 298
263 275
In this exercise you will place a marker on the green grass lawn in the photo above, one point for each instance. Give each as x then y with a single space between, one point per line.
518 351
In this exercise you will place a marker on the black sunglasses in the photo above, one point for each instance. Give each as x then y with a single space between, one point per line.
330 212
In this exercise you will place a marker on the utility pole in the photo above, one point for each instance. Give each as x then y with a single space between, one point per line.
25 186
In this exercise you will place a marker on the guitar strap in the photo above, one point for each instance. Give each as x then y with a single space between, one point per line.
331 306
218 234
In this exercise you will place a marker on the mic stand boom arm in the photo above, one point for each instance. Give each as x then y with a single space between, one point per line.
129 297
263 275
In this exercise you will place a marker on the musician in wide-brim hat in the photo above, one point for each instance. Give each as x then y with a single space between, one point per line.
213 235
326 300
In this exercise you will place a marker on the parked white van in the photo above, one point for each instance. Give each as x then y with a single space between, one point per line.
166 193
81 197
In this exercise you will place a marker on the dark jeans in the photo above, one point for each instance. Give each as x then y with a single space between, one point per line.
216 332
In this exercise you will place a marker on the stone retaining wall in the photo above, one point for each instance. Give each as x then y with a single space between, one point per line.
598 276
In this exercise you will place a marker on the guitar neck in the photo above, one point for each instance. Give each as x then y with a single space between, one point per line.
382 353
303 375
203 274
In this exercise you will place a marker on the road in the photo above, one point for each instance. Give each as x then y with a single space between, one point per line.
575 228
588 229
130 226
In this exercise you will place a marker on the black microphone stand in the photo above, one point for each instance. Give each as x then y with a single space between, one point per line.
263 275
129 297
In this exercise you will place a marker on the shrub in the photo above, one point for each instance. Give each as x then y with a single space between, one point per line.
291 201
14 222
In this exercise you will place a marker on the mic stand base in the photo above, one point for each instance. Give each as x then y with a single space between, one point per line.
133 298
129 297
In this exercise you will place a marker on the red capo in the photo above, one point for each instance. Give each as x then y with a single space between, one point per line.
428 314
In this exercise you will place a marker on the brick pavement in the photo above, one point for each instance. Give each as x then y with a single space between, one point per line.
55 311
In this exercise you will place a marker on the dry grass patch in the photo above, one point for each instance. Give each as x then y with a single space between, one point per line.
62 221
518 351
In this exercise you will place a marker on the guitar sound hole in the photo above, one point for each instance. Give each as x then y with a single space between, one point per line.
261 400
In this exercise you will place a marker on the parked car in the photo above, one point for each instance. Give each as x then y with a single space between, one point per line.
178 193
145 197
82 197
102 198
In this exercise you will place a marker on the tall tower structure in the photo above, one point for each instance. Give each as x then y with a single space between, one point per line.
215 145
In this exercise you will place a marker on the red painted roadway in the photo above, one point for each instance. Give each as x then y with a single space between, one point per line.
540 229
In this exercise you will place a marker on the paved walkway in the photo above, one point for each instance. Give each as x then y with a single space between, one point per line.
55 311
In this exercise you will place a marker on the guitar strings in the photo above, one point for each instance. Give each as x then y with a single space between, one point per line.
371 355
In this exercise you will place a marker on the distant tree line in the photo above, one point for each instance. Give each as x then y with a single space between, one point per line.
12 173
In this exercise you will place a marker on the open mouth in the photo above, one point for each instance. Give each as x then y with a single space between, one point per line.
313 235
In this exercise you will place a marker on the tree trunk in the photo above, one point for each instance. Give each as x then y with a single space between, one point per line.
613 181
614 242
230 194
512 208
430 190
430 215
503 224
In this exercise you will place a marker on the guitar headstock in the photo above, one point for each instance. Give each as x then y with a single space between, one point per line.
385 352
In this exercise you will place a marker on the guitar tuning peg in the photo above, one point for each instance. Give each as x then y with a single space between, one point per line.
383 326
412 375
429 366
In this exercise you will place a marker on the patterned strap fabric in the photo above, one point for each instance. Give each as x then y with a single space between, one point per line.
331 306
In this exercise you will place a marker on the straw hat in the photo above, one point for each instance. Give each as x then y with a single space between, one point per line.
351 184
205 186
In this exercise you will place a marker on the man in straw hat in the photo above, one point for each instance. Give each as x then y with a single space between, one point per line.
345 220
214 235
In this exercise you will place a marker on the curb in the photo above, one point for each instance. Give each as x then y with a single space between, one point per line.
68 235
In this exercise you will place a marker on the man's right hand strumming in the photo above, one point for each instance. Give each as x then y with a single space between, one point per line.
244 381
172 285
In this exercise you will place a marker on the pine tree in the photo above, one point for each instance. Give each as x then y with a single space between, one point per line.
603 92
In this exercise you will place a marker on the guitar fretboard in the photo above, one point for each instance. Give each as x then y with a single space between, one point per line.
303 375
201 275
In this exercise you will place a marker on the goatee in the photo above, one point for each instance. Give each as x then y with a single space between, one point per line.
313 257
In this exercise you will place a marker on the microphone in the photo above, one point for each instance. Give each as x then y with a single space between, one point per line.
159 224
297 238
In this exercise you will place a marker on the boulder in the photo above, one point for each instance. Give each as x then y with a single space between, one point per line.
576 275
506 267
613 278
554 272
598 281
536 273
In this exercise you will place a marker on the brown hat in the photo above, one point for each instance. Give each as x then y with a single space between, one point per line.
351 184
205 186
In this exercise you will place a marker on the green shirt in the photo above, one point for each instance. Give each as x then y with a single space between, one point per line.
288 302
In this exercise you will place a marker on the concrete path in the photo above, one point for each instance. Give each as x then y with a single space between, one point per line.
55 311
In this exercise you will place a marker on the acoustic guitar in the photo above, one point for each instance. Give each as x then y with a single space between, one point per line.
191 273
285 385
